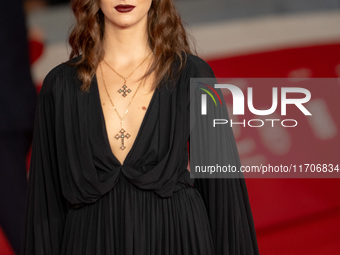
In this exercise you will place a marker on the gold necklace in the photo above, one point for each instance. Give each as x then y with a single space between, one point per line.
124 90
123 134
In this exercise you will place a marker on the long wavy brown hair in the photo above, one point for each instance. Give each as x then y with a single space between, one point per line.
167 39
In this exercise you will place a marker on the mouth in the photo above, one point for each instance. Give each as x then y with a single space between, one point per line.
123 8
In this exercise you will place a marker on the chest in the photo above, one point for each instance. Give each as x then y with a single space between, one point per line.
124 107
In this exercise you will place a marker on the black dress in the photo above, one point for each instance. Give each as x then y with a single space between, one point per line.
82 200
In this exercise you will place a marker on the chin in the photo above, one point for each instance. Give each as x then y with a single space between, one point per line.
126 22
124 25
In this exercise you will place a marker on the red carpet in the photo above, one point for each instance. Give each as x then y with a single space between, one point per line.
292 216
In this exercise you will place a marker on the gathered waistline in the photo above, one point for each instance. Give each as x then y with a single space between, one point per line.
177 187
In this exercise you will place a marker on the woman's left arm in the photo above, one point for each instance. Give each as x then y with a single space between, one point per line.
226 198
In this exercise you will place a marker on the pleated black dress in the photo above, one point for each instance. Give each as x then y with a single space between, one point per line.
83 201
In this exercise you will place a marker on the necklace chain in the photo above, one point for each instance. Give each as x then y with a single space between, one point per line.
108 94
125 78
123 134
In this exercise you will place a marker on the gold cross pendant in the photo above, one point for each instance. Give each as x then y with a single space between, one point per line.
122 136
124 90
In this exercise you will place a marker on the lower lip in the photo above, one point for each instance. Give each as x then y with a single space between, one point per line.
124 9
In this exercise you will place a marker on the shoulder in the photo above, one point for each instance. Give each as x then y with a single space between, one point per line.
58 75
195 67
198 67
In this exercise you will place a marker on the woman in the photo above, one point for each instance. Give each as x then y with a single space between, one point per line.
108 171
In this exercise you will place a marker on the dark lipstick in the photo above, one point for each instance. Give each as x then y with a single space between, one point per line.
124 8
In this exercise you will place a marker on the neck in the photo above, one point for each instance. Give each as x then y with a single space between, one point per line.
125 45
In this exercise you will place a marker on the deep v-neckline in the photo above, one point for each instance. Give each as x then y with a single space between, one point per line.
103 122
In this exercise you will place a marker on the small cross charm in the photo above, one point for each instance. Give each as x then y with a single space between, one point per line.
122 136
124 90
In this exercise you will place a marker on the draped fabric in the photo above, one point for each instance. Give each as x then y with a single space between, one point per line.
82 200
225 194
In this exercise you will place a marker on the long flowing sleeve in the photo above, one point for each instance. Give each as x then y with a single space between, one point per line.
226 199
45 209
